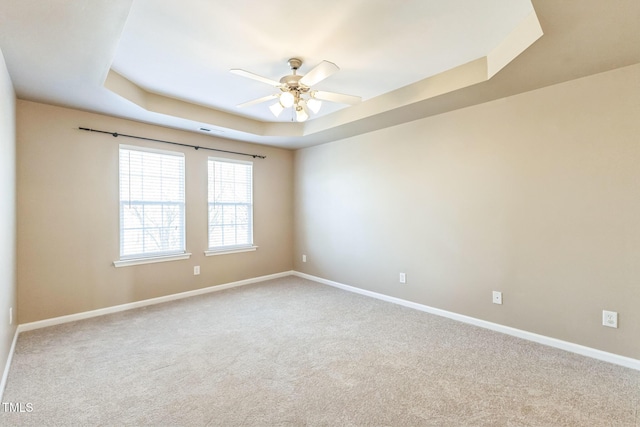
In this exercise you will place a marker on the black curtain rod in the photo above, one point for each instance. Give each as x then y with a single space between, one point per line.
116 134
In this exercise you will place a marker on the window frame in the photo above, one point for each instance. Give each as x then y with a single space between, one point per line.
236 248
157 256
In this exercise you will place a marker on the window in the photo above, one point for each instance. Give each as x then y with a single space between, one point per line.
230 205
152 208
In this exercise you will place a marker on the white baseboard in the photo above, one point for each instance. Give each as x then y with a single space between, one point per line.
530 336
7 365
129 306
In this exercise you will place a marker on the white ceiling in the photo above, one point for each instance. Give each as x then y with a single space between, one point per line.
171 59
185 49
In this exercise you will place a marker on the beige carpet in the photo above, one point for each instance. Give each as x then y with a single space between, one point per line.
291 352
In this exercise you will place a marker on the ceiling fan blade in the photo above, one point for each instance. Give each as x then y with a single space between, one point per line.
336 97
319 73
257 101
253 76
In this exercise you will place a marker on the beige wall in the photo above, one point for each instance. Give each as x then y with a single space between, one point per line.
68 215
7 211
536 195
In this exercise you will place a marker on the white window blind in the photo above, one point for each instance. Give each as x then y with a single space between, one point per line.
230 204
152 209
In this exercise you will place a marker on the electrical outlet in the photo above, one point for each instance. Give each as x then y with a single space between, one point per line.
304 258
497 297
196 270
610 318
403 278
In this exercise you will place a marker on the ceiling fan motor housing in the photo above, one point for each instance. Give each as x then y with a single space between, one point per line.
292 81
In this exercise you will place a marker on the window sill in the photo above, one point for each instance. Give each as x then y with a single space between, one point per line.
230 250
150 260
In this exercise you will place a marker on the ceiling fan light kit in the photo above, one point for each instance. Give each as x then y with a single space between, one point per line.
296 90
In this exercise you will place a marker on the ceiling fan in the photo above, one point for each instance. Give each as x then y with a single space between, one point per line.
296 91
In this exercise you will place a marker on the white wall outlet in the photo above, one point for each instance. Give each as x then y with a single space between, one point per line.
196 270
11 315
497 297
610 318
403 278
304 258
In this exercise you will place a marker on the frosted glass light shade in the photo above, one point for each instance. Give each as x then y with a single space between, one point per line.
314 105
276 109
286 99
301 115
